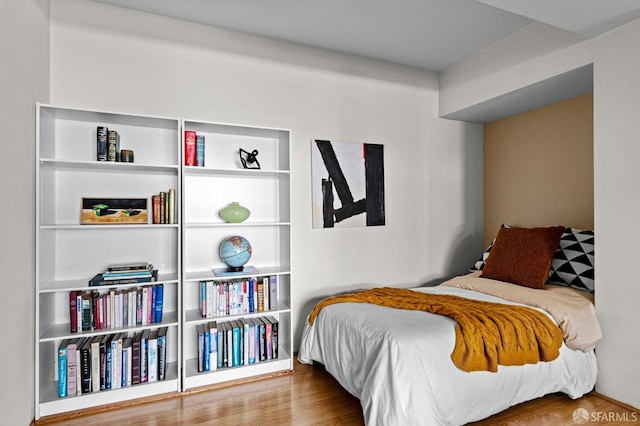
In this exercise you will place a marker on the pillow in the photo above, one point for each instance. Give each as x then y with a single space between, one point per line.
573 263
479 265
523 255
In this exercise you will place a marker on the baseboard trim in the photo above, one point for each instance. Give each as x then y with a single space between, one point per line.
614 401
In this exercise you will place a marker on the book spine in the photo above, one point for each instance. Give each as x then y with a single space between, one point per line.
268 351
171 206
265 290
274 339
71 368
162 353
113 146
189 148
206 350
252 341
85 365
200 150
159 303
95 364
62 369
108 365
155 209
153 357
101 143
135 359
73 318
103 362
273 289
220 345
200 331
213 349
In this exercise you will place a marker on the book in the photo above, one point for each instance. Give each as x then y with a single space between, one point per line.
152 370
144 356
206 349
113 145
190 148
135 358
108 362
95 363
71 366
260 296
62 368
252 341
199 150
213 345
86 311
265 292
129 267
245 341
262 340
73 317
268 342
224 272
200 341
171 206
158 307
85 366
273 290
274 335
127 361
101 143
104 341
101 280
220 344
155 209
162 353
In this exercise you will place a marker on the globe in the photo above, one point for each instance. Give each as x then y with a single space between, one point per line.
235 251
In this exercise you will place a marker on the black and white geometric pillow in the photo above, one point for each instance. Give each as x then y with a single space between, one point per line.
573 263
479 264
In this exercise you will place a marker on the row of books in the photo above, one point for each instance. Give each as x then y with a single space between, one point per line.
112 361
193 149
163 207
115 308
237 297
238 342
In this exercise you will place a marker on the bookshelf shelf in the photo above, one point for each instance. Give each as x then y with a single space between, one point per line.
69 254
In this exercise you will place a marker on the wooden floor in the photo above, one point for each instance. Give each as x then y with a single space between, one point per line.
311 396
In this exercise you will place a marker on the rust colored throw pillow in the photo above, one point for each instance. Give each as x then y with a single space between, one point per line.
523 255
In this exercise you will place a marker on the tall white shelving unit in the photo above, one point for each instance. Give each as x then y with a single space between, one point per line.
266 192
69 253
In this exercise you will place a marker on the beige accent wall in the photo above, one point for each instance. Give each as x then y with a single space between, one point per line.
538 168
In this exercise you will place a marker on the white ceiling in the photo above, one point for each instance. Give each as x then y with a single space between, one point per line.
429 34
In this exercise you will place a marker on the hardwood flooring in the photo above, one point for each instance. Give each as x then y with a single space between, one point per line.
311 396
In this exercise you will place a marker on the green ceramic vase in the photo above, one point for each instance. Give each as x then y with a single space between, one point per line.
234 213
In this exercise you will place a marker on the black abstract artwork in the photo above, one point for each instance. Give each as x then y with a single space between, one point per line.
348 184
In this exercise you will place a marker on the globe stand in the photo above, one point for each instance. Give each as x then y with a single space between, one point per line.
235 268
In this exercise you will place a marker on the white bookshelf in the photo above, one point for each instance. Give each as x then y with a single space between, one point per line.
69 254
266 193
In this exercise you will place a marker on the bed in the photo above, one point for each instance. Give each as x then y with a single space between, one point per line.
398 362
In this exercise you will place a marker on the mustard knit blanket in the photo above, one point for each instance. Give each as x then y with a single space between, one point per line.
487 334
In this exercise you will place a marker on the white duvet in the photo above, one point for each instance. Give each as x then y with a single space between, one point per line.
398 363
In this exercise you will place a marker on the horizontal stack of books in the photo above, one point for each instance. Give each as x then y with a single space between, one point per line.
126 273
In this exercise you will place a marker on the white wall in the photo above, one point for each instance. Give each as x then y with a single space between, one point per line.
109 58
24 77
616 94
617 209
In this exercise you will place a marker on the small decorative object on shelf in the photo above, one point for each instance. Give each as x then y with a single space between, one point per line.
126 156
234 213
235 251
249 159
113 211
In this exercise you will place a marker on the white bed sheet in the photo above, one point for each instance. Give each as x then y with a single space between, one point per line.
398 363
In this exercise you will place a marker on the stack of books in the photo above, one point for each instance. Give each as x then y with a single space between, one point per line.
126 273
